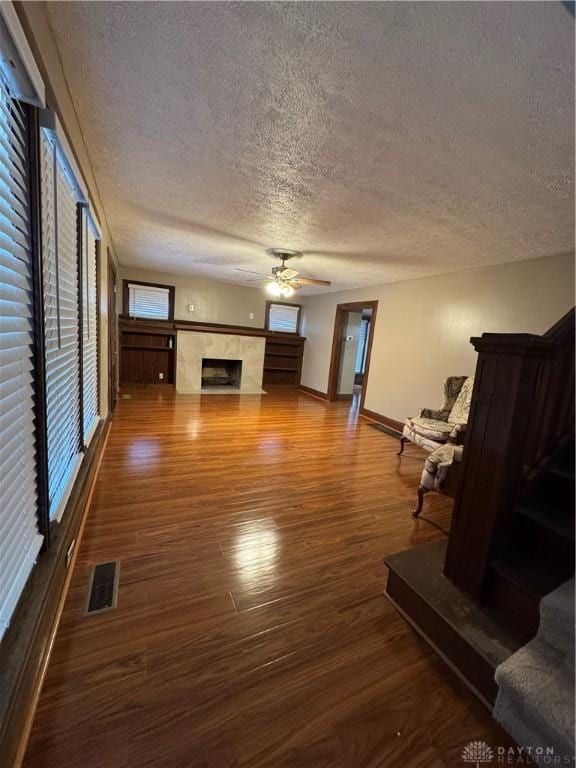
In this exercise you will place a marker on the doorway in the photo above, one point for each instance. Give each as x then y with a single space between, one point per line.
112 336
351 351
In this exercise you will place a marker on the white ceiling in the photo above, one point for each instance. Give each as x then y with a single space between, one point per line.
385 140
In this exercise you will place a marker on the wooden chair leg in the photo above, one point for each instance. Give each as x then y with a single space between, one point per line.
421 493
403 441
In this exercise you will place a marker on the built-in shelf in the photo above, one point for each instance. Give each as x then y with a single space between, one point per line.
283 360
146 355
147 346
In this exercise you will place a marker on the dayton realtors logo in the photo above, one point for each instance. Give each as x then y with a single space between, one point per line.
478 753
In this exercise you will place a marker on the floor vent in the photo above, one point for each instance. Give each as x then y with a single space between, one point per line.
126 397
387 430
103 591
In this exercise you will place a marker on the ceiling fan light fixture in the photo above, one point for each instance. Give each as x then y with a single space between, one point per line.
274 289
286 291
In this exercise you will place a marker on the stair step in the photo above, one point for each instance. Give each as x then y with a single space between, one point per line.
557 620
532 577
563 469
547 516
562 463
535 701
457 628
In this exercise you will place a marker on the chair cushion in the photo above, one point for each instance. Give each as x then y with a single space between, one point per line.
432 428
461 408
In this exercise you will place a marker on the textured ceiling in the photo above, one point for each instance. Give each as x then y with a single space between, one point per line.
385 140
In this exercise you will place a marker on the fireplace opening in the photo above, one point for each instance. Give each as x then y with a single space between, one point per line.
221 373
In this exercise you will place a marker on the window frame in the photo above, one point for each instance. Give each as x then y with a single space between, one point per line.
86 219
269 304
126 299
37 403
72 196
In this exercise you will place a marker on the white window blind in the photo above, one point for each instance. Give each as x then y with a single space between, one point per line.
148 301
20 540
62 325
283 317
361 352
89 329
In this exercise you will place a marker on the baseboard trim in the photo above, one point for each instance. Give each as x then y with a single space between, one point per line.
397 426
27 645
313 392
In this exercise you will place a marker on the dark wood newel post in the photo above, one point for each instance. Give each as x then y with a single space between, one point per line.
508 373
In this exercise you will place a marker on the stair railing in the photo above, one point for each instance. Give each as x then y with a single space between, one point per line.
522 406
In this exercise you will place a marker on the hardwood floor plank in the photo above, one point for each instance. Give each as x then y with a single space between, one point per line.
251 628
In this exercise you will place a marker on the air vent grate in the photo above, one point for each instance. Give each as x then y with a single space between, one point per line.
103 591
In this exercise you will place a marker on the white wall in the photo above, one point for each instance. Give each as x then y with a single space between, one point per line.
213 302
350 350
423 327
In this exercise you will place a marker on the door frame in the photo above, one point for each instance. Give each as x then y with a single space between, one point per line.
336 355
112 334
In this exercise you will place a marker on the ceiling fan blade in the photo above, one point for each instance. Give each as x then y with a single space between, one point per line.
312 281
250 271
288 273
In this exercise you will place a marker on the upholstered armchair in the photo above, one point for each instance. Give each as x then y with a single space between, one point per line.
441 433
434 427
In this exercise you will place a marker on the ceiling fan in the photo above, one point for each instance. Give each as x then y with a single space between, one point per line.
284 280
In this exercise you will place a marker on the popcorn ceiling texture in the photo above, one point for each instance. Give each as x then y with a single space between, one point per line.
385 140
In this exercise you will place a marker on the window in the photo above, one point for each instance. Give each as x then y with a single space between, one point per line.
20 539
148 300
60 197
283 317
89 255
362 346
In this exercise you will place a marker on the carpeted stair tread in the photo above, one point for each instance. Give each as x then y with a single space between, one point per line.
537 690
557 620
535 701
510 713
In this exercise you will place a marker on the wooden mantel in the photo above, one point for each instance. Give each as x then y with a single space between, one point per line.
165 326
148 350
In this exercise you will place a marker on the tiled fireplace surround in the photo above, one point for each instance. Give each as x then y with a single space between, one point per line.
192 347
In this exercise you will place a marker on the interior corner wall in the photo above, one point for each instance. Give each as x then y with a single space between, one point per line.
34 21
213 302
423 327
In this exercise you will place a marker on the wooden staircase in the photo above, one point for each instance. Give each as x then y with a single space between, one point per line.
512 535
538 554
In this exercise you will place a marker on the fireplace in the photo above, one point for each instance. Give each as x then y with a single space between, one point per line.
221 373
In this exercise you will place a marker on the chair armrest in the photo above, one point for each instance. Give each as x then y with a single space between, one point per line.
456 437
434 413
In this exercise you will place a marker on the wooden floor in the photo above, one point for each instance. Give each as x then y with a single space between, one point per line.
251 627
